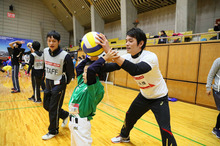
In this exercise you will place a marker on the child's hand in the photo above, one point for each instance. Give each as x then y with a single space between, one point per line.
111 55
103 42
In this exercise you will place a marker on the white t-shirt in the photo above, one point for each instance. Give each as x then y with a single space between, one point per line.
152 84
26 58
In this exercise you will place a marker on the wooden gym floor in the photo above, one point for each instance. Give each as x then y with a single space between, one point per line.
23 122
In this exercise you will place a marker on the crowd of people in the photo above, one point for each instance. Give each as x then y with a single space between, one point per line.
57 67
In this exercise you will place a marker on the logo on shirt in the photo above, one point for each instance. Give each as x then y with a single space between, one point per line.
142 83
52 64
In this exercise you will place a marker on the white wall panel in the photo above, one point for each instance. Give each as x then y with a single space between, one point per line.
150 22
207 12
29 14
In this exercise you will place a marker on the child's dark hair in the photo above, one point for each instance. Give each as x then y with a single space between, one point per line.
139 35
19 45
54 34
36 45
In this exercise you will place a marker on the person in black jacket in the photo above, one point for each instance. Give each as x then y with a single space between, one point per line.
16 46
58 73
36 63
216 28
163 34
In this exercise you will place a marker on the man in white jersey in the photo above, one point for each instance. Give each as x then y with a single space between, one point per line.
143 66
59 72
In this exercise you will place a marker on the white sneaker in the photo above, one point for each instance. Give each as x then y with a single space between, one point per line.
119 139
64 122
48 136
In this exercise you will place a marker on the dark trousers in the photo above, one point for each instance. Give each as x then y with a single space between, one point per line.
216 96
15 70
43 87
159 107
53 101
36 82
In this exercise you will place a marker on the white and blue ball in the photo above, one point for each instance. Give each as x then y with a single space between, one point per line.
89 45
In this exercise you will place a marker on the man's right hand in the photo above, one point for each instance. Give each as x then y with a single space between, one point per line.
103 42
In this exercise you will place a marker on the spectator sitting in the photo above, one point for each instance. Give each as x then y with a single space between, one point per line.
163 34
216 28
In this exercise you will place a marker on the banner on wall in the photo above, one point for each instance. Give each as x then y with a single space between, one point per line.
4 44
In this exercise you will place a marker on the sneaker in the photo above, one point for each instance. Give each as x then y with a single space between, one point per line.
31 99
38 101
64 122
12 88
48 136
15 91
216 132
119 139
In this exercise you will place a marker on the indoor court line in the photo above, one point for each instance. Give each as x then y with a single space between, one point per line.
112 117
149 123
13 100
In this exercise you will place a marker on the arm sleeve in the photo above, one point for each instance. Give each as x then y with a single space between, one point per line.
31 63
214 69
216 28
109 67
80 67
136 69
68 68
93 69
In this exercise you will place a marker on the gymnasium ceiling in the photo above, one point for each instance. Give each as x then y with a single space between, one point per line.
109 10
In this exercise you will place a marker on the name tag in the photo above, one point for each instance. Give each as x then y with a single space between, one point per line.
57 82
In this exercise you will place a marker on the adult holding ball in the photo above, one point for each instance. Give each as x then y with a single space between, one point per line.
89 44
29 45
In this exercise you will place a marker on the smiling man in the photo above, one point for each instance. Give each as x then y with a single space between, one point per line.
59 72
144 67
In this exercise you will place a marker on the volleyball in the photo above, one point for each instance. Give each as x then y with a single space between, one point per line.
89 45
29 44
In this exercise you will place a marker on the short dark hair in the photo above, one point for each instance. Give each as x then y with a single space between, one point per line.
163 31
19 45
139 35
36 45
53 34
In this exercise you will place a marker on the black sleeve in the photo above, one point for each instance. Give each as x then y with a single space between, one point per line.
216 28
93 69
31 63
80 67
136 69
68 68
109 67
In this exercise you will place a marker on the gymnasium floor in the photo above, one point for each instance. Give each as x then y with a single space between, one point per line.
24 122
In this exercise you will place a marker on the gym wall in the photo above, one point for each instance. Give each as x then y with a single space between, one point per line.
32 20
